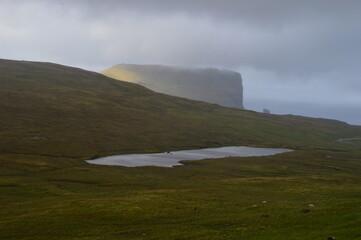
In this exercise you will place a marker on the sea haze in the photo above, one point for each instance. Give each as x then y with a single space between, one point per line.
343 112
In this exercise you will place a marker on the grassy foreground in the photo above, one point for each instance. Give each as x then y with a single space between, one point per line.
46 198
53 117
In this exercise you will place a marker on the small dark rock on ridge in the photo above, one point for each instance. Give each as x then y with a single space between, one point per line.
266 111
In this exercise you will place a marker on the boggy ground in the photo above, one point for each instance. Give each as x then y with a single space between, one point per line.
231 198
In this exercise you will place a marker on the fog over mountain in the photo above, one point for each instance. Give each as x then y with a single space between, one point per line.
298 57
211 85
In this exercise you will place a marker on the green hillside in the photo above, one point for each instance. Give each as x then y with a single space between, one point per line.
49 109
53 117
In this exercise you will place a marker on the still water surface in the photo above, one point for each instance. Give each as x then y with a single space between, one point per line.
170 159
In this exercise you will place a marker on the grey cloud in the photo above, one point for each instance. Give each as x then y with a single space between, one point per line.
264 12
287 37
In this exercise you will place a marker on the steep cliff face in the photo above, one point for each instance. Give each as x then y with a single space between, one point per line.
211 85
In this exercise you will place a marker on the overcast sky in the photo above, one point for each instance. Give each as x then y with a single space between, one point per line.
299 57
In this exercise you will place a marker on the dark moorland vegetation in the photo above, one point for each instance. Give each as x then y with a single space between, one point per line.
53 117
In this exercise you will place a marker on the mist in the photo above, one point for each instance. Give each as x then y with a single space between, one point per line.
295 57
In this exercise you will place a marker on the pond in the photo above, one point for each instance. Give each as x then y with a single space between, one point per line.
170 159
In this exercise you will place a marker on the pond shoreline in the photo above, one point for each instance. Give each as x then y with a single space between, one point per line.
173 158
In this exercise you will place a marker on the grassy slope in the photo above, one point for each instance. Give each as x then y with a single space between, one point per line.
49 109
47 193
